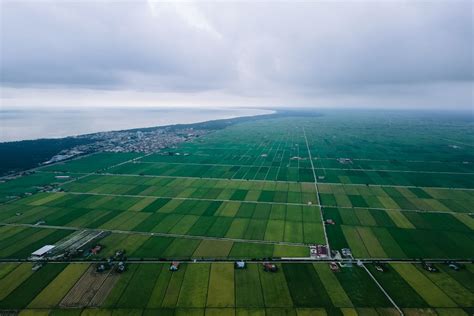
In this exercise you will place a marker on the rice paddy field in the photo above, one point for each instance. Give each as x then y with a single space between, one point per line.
395 186
217 288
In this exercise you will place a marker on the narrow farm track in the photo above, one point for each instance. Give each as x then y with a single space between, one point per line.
316 168
178 198
276 181
256 260
115 231
317 195
382 289
354 159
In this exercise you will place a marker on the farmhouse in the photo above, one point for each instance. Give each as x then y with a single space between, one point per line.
322 251
240 264
62 177
344 161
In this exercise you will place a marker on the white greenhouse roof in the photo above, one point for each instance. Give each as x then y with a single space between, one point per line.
43 250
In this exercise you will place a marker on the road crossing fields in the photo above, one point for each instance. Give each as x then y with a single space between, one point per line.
262 189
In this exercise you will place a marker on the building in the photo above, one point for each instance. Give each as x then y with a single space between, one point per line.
322 251
40 253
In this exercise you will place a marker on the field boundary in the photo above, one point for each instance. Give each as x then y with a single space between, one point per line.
317 194
157 234
254 180
316 168
382 289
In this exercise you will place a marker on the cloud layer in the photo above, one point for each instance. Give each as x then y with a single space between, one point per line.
352 53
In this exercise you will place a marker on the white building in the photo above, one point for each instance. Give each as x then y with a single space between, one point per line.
40 253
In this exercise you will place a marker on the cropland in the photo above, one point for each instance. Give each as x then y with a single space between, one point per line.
394 188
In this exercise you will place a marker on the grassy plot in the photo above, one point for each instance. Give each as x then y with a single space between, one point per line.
6 268
305 286
194 289
46 198
23 248
93 162
119 288
251 250
334 289
221 286
287 251
455 290
22 295
400 220
275 230
313 232
181 248
371 243
58 288
293 232
275 289
432 295
355 242
14 279
248 290
361 289
220 227
213 248
141 205
398 289
174 286
389 244
140 286
160 287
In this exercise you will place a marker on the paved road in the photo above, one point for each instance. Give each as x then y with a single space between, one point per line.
317 193
257 260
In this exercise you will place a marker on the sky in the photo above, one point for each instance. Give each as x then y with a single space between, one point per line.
375 54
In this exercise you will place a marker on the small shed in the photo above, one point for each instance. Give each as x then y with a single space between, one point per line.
240 264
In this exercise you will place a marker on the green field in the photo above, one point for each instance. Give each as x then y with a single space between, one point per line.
398 186
203 287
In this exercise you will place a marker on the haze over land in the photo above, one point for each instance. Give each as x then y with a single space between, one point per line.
394 54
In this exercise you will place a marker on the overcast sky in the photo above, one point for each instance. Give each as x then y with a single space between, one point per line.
397 54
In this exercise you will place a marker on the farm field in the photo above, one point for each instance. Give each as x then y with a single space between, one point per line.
25 185
267 188
202 288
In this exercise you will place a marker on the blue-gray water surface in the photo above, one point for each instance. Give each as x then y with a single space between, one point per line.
22 124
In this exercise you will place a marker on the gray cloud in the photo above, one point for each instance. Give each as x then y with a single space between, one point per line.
276 52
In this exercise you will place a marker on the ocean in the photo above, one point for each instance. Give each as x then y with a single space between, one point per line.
28 124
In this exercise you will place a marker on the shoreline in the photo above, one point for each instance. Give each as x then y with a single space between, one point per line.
44 150
172 121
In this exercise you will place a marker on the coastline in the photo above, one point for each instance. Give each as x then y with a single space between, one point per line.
27 155
52 124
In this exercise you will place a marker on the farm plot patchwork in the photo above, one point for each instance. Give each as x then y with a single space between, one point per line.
403 194
394 234
218 287
198 216
397 198
413 286
26 185
92 163
20 242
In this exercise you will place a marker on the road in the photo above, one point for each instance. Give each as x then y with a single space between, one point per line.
317 194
